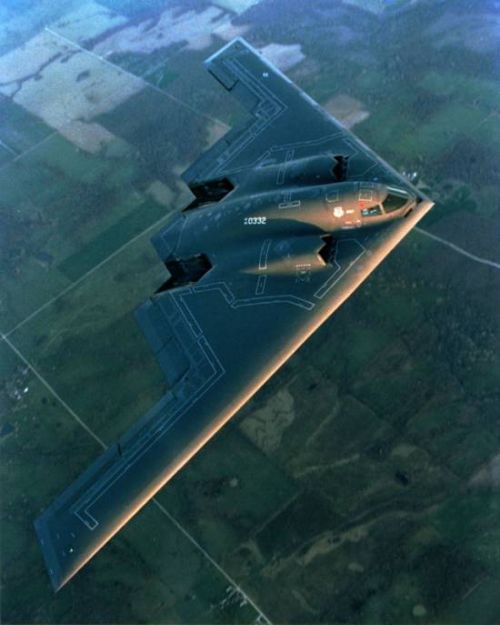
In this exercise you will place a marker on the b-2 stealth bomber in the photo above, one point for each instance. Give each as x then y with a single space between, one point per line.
291 212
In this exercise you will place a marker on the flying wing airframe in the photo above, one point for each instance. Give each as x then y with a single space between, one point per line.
291 212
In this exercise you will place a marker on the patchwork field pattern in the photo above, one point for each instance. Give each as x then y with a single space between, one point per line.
361 484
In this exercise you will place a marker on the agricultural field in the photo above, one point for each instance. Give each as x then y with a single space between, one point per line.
361 484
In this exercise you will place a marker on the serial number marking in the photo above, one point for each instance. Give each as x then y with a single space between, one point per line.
254 221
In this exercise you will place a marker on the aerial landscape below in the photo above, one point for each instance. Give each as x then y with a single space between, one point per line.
361 483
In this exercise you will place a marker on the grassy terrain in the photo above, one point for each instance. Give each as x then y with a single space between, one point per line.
117 351
19 129
149 569
358 485
64 210
165 134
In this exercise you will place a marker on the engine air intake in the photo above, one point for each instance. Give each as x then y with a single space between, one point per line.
185 271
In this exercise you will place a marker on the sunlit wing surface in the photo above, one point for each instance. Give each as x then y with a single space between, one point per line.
224 323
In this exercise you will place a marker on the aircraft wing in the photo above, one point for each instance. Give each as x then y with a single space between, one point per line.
284 124
218 340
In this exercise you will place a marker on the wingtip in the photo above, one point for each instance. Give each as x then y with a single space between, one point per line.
234 43
51 564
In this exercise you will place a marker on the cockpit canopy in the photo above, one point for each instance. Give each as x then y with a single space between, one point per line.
395 200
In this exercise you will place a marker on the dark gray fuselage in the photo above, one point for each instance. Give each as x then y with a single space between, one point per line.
233 231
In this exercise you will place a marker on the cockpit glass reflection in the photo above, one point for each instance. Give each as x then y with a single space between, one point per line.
372 211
